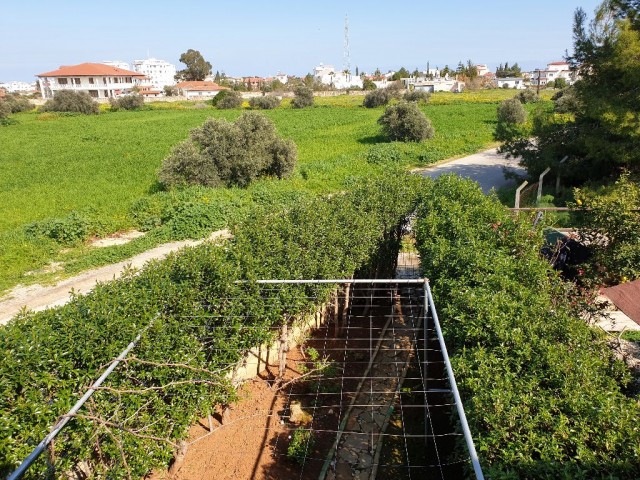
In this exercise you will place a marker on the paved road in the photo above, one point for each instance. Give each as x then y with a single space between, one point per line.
484 167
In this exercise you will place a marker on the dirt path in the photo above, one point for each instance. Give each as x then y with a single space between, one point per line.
39 297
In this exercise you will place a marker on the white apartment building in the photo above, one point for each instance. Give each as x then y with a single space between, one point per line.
327 75
97 79
18 87
117 64
158 72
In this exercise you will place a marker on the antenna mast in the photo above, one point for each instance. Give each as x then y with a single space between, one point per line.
347 58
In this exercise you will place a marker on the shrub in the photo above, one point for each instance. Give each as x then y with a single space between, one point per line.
566 101
192 303
69 230
266 102
227 99
5 110
300 445
418 96
527 96
383 154
70 101
17 103
187 165
538 384
377 98
368 84
224 153
511 111
170 90
613 215
303 97
406 122
127 102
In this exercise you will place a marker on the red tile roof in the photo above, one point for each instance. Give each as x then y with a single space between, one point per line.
558 63
89 70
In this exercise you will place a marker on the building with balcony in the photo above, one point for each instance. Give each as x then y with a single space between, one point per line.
159 73
554 71
97 79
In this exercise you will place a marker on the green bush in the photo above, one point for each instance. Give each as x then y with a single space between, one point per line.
300 445
17 103
201 324
71 101
127 102
612 214
227 99
377 98
69 230
303 97
541 390
418 96
5 110
224 153
406 122
265 102
384 154
511 111
566 101
528 96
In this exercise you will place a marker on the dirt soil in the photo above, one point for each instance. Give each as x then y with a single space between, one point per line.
252 441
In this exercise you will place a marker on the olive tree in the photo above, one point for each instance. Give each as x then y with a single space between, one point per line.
70 101
221 153
303 97
406 122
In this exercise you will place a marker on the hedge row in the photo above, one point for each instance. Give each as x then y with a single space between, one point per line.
542 393
201 322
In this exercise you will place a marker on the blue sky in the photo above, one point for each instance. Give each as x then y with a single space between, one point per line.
247 37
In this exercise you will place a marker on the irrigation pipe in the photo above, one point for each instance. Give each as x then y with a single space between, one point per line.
24 466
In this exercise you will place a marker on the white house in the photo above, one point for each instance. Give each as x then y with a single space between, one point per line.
553 71
282 78
97 79
18 87
482 69
327 75
511 82
438 85
199 89
159 72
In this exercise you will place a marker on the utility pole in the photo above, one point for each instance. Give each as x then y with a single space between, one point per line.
347 57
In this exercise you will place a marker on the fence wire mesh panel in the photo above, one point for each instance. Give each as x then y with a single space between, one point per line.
356 387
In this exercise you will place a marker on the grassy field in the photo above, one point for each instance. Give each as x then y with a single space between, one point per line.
53 165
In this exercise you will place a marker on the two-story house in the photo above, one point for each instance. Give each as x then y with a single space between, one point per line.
97 79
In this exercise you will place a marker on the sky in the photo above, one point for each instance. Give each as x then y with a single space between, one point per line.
247 37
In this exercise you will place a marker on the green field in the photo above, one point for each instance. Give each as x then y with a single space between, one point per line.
52 165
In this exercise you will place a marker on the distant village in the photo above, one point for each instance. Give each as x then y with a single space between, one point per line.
154 78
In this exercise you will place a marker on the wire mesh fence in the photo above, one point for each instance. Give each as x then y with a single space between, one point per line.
356 388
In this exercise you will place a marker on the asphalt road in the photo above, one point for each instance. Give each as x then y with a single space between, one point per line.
486 168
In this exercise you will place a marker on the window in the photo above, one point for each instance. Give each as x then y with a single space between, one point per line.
128 80
76 81
115 79
91 83
62 81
